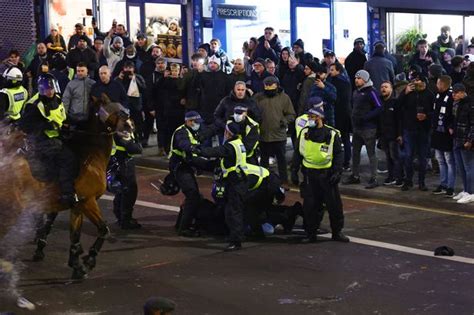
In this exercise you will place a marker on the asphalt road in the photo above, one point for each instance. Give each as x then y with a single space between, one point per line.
387 269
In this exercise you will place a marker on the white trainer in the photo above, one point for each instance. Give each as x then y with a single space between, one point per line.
460 195
466 199
21 302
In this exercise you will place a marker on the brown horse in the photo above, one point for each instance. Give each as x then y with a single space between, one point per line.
20 191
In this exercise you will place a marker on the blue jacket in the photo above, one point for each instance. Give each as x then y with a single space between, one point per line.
329 96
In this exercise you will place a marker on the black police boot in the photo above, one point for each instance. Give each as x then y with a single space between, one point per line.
340 237
233 246
309 239
69 200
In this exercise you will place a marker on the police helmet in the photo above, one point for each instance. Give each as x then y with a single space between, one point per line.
13 74
169 187
47 82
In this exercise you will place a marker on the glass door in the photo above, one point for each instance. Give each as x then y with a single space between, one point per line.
312 22
134 20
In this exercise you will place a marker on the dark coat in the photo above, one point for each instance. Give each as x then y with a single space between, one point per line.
366 108
88 56
329 95
342 106
255 82
463 123
413 103
380 70
272 53
354 62
442 120
390 120
415 60
225 109
291 84
214 86
75 39
114 90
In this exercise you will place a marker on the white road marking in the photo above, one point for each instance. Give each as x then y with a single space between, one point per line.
362 241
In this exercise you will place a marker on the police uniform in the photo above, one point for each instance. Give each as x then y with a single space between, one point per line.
13 96
123 149
320 154
182 165
233 162
42 120
250 130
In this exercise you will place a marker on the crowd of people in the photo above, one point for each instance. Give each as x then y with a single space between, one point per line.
249 106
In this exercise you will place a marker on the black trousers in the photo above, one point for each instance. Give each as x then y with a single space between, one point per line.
235 190
137 117
125 201
148 125
184 175
168 127
318 192
277 148
53 152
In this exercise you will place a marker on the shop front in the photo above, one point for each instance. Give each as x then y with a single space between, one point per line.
320 23
163 22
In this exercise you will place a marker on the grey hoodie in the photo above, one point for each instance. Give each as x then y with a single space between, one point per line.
76 98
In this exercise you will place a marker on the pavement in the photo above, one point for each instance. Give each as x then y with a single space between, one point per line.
388 268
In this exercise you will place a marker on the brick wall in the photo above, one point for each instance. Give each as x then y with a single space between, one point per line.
18 27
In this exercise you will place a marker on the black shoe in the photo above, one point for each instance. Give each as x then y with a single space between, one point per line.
69 200
372 183
130 225
449 193
422 187
340 237
233 246
398 183
292 214
439 190
189 233
321 231
145 144
389 181
310 239
346 169
406 186
351 180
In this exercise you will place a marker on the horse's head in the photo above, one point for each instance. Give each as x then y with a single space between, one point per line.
112 116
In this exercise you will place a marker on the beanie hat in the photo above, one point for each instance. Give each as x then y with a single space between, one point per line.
206 47
214 59
270 80
299 42
364 75
313 66
117 39
459 87
450 52
359 40
260 61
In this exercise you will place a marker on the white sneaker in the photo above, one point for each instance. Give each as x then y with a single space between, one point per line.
460 195
466 199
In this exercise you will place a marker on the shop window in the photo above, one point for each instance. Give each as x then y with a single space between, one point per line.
346 28
313 27
164 27
112 10
64 14
270 13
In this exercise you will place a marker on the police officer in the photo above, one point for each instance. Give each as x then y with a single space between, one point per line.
13 96
182 165
233 162
42 121
250 130
320 153
123 149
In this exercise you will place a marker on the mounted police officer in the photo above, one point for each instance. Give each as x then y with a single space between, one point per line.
320 153
13 96
42 121
233 163
182 166
123 149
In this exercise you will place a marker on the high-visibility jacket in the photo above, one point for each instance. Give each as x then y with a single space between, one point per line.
316 155
17 97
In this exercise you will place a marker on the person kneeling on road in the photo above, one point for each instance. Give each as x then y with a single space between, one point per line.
320 153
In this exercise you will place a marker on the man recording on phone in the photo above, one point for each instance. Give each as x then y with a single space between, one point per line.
416 106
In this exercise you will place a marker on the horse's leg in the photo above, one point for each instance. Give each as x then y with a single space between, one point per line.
92 211
75 251
42 234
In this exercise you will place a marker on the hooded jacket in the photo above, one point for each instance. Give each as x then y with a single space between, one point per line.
113 56
366 107
277 113
76 98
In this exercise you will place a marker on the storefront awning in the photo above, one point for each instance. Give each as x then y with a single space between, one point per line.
433 5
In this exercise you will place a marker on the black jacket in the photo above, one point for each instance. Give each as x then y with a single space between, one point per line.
154 92
114 90
88 56
214 86
413 103
32 121
442 121
182 142
272 53
366 108
291 84
463 123
390 120
343 107
225 109
75 39
354 62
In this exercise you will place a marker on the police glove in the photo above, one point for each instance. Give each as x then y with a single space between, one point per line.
196 149
335 178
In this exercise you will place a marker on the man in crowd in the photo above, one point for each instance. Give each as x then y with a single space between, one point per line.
379 67
423 57
365 116
355 60
323 89
79 33
269 45
113 89
82 53
257 76
115 52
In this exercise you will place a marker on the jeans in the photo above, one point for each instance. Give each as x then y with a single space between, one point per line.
277 148
447 168
365 137
394 162
465 165
415 141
